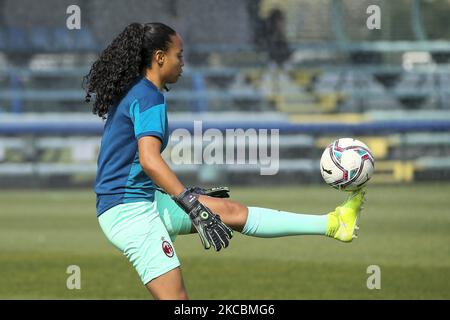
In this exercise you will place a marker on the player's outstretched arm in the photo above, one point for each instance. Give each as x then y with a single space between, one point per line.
212 231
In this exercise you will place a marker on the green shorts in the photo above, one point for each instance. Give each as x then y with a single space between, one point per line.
144 232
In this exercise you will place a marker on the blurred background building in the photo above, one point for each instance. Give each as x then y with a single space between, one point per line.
312 69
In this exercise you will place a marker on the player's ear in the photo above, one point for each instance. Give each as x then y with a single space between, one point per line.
160 57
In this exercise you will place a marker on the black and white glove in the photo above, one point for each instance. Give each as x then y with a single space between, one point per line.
210 228
217 192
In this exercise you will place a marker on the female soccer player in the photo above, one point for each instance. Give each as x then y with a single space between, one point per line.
127 81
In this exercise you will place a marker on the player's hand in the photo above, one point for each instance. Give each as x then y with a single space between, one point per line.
210 228
217 192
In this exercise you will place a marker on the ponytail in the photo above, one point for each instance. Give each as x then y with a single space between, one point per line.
122 62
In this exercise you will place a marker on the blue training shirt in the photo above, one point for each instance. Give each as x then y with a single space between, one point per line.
120 177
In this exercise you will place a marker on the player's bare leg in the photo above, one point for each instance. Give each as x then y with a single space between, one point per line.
169 286
269 223
232 213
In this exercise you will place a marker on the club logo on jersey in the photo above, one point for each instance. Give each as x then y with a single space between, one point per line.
167 249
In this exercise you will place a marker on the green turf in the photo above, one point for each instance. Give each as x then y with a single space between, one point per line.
405 230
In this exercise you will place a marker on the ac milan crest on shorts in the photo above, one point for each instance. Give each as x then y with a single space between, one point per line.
167 248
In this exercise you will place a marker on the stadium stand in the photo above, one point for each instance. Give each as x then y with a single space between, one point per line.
340 80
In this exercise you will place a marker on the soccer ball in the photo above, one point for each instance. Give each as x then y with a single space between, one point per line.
347 164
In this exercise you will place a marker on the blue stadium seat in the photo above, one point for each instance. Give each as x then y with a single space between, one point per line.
3 39
17 39
85 39
40 38
64 39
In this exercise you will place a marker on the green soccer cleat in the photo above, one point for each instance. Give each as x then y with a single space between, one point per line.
343 222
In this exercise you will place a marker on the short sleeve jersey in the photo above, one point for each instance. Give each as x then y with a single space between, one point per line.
120 177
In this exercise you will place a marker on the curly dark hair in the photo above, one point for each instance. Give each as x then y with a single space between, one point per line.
122 62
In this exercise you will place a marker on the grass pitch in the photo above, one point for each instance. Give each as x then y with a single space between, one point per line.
405 230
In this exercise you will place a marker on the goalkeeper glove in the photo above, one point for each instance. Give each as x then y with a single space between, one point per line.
210 228
217 192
